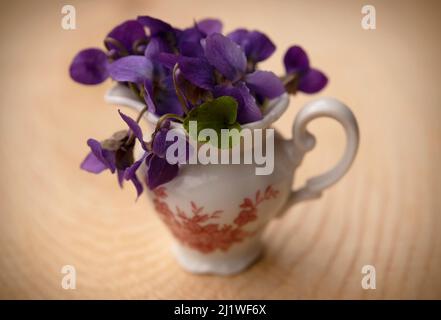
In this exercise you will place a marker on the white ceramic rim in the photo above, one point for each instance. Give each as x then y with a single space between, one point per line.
122 95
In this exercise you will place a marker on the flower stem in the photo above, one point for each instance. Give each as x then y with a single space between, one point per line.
178 90
138 43
141 113
291 82
110 41
162 119
167 116
135 90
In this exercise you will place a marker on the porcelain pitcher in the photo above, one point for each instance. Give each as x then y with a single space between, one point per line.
217 213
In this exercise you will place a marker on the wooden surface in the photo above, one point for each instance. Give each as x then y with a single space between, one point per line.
385 212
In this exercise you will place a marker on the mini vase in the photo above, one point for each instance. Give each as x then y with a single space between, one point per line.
218 212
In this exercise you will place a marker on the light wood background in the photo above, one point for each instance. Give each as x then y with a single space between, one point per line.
385 212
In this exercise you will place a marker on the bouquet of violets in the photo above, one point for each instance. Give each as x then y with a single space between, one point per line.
180 75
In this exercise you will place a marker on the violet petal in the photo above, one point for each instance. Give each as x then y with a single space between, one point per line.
138 186
198 71
160 143
168 102
168 60
134 126
312 81
156 26
191 35
191 49
209 26
127 33
148 95
132 69
226 56
105 156
155 47
92 164
89 66
247 110
165 98
160 171
258 46
265 83
130 172
296 60
239 36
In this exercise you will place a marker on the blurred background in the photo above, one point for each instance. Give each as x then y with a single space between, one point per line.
385 212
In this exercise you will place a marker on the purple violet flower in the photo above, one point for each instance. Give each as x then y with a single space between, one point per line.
256 45
151 78
89 66
185 42
307 79
116 154
225 65
98 159
176 70
133 69
159 91
159 170
130 39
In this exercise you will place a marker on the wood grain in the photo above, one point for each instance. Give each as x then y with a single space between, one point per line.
385 212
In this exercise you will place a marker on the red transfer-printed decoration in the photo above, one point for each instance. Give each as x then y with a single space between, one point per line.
199 230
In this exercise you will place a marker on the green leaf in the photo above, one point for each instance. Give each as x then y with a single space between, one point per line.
217 114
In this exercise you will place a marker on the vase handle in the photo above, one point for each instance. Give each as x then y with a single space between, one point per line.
305 141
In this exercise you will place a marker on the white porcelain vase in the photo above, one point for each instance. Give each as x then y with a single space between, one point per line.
217 213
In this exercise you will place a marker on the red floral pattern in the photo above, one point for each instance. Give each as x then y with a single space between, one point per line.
199 231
